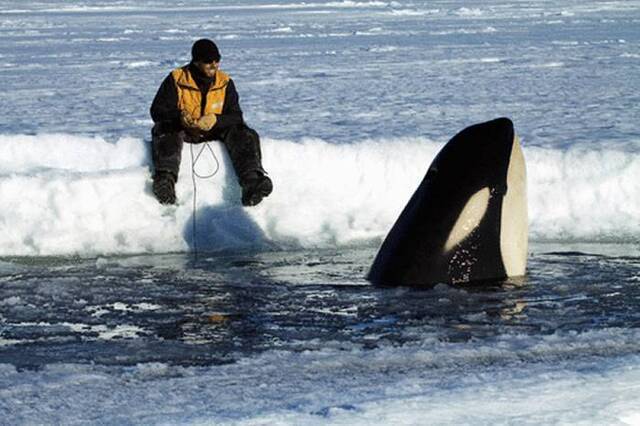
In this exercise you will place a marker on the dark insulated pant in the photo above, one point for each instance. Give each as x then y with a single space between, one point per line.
242 143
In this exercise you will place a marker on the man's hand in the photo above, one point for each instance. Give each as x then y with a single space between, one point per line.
206 122
189 125
187 120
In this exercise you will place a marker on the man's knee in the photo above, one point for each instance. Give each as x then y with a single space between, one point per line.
241 134
251 134
168 144
167 151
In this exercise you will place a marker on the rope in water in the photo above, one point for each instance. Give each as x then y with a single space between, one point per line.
194 175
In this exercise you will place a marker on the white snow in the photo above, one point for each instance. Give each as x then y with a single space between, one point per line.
435 383
67 194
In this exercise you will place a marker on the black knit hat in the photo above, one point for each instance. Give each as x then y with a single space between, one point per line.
204 50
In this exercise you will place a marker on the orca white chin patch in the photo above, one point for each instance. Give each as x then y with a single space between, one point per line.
514 229
469 218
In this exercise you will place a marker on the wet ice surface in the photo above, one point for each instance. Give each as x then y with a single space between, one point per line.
342 71
293 335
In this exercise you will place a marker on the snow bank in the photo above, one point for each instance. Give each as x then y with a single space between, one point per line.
65 194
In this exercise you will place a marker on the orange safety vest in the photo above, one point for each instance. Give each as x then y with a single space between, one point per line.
190 97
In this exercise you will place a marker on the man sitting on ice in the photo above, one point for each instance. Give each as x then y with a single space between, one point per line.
197 103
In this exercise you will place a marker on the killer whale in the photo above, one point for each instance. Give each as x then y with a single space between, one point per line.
467 221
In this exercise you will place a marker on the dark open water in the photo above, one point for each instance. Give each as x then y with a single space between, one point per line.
220 308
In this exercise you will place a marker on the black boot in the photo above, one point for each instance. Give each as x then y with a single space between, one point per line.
254 188
164 187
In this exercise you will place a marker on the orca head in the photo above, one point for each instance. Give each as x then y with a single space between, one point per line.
457 227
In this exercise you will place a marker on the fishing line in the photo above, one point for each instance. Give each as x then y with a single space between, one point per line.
194 175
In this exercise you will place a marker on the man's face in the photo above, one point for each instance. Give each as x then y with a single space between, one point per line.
208 69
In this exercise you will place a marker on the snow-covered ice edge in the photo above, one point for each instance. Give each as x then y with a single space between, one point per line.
65 195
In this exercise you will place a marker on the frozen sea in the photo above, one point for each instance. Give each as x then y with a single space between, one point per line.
107 316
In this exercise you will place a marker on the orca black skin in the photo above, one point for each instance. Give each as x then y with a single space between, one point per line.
429 243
